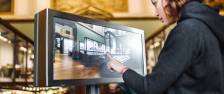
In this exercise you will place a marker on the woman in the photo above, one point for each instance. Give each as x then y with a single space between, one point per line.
191 61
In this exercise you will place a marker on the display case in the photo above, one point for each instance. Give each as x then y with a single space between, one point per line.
16 56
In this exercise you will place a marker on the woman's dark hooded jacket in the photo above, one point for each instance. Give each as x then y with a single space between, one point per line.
191 61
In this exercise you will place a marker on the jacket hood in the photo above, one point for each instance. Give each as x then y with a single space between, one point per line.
206 14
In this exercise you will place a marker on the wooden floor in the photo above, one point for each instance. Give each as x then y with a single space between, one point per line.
66 68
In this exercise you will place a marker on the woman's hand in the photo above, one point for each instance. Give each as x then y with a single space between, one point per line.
115 65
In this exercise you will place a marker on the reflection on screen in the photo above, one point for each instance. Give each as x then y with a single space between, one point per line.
80 48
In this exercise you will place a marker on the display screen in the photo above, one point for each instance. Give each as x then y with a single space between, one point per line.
80 50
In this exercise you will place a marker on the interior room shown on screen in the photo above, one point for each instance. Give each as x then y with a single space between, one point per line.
80 50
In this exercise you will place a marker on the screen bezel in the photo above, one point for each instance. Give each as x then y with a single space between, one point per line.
44 21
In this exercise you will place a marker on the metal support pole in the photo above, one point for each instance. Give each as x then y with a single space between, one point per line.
92 89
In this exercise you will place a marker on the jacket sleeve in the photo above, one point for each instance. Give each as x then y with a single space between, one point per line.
174 58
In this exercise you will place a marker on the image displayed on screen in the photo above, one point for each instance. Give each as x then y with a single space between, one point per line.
80 50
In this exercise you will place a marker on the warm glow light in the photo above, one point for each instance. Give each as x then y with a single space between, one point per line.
3 39
31 90
156 44
23 88
151 46
32 56
61 89
29 51
23 49
9 42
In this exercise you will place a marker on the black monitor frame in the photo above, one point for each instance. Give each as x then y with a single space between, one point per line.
44 48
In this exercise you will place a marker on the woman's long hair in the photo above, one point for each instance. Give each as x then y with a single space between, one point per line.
174 7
